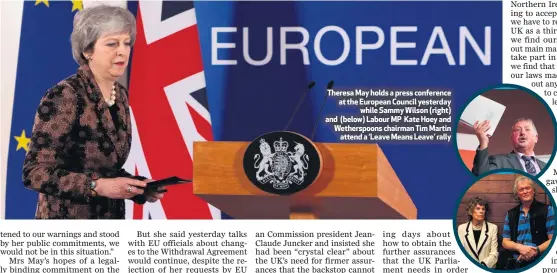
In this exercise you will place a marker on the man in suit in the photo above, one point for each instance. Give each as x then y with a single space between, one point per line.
524 137
528 227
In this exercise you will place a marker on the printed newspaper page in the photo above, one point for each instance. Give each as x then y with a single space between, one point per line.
278 136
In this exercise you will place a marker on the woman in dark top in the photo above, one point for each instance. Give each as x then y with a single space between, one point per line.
82 130
478 236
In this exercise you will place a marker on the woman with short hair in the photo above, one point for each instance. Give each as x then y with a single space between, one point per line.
478 236
82 131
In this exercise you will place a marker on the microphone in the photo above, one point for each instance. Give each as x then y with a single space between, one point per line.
329 86
310 86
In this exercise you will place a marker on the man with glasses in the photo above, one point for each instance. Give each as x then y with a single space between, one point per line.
524 137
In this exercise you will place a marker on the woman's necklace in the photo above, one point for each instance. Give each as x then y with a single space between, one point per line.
112 99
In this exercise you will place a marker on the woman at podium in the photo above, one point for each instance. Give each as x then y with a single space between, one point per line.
82 130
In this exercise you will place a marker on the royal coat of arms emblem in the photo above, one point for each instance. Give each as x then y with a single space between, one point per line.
282 167
282 162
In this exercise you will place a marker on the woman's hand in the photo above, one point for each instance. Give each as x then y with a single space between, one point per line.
120 187
154 196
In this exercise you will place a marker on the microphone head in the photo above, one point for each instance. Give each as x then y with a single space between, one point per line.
311 85
330 85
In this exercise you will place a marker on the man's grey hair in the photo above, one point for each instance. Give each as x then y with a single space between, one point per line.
525 119
520 179
92 23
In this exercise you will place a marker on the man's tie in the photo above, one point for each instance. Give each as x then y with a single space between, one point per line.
529 166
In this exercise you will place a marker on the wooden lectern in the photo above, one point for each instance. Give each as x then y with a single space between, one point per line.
356 182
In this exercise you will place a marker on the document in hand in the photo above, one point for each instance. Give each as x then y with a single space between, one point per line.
480 109
169 181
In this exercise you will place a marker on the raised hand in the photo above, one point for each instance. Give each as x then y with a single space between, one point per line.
481 129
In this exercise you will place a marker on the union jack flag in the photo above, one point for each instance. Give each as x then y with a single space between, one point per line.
169 107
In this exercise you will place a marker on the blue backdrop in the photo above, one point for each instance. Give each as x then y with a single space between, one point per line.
44 59
246 101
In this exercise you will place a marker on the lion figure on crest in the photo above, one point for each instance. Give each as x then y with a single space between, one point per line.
266 161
